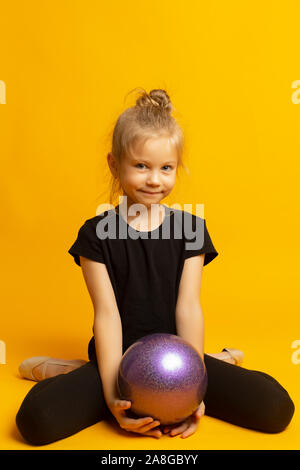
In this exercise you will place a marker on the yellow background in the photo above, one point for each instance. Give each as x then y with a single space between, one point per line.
228 68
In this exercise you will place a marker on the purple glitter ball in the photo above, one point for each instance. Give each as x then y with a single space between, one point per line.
164 377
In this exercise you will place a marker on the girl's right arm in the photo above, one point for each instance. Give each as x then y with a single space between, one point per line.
108 344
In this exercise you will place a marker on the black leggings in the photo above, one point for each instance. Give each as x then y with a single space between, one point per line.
60 406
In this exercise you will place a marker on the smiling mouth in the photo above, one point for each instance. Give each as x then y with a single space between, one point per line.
148 192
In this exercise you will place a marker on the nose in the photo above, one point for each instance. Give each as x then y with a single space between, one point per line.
153 179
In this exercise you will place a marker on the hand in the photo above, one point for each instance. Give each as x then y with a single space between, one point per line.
188 426
140 425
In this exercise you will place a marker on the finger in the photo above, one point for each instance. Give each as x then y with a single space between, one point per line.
180 429
202 407
157 433
154 433
123 404
136 423
188 432
170 427
149 426
199 413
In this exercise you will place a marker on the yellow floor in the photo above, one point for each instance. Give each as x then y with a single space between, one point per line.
211 433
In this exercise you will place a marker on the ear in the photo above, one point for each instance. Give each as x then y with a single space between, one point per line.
112 164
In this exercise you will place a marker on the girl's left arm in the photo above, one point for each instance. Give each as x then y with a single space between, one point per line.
189 316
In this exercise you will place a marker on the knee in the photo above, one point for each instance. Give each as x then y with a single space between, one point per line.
277 412
33 425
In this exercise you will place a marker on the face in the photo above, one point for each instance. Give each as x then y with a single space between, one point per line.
148 176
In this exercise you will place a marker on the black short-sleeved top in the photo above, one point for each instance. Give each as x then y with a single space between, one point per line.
144 267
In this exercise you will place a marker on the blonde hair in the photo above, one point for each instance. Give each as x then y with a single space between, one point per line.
150 117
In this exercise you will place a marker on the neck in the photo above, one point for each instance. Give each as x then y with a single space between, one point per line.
148 214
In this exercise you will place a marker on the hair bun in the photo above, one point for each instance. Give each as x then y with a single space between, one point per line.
156 98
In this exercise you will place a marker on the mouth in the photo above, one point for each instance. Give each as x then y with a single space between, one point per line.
146 192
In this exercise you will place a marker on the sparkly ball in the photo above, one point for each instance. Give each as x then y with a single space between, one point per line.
163 376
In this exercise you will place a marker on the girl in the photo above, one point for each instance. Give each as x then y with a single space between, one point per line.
139 284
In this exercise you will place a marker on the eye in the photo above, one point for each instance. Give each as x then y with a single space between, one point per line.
138 165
